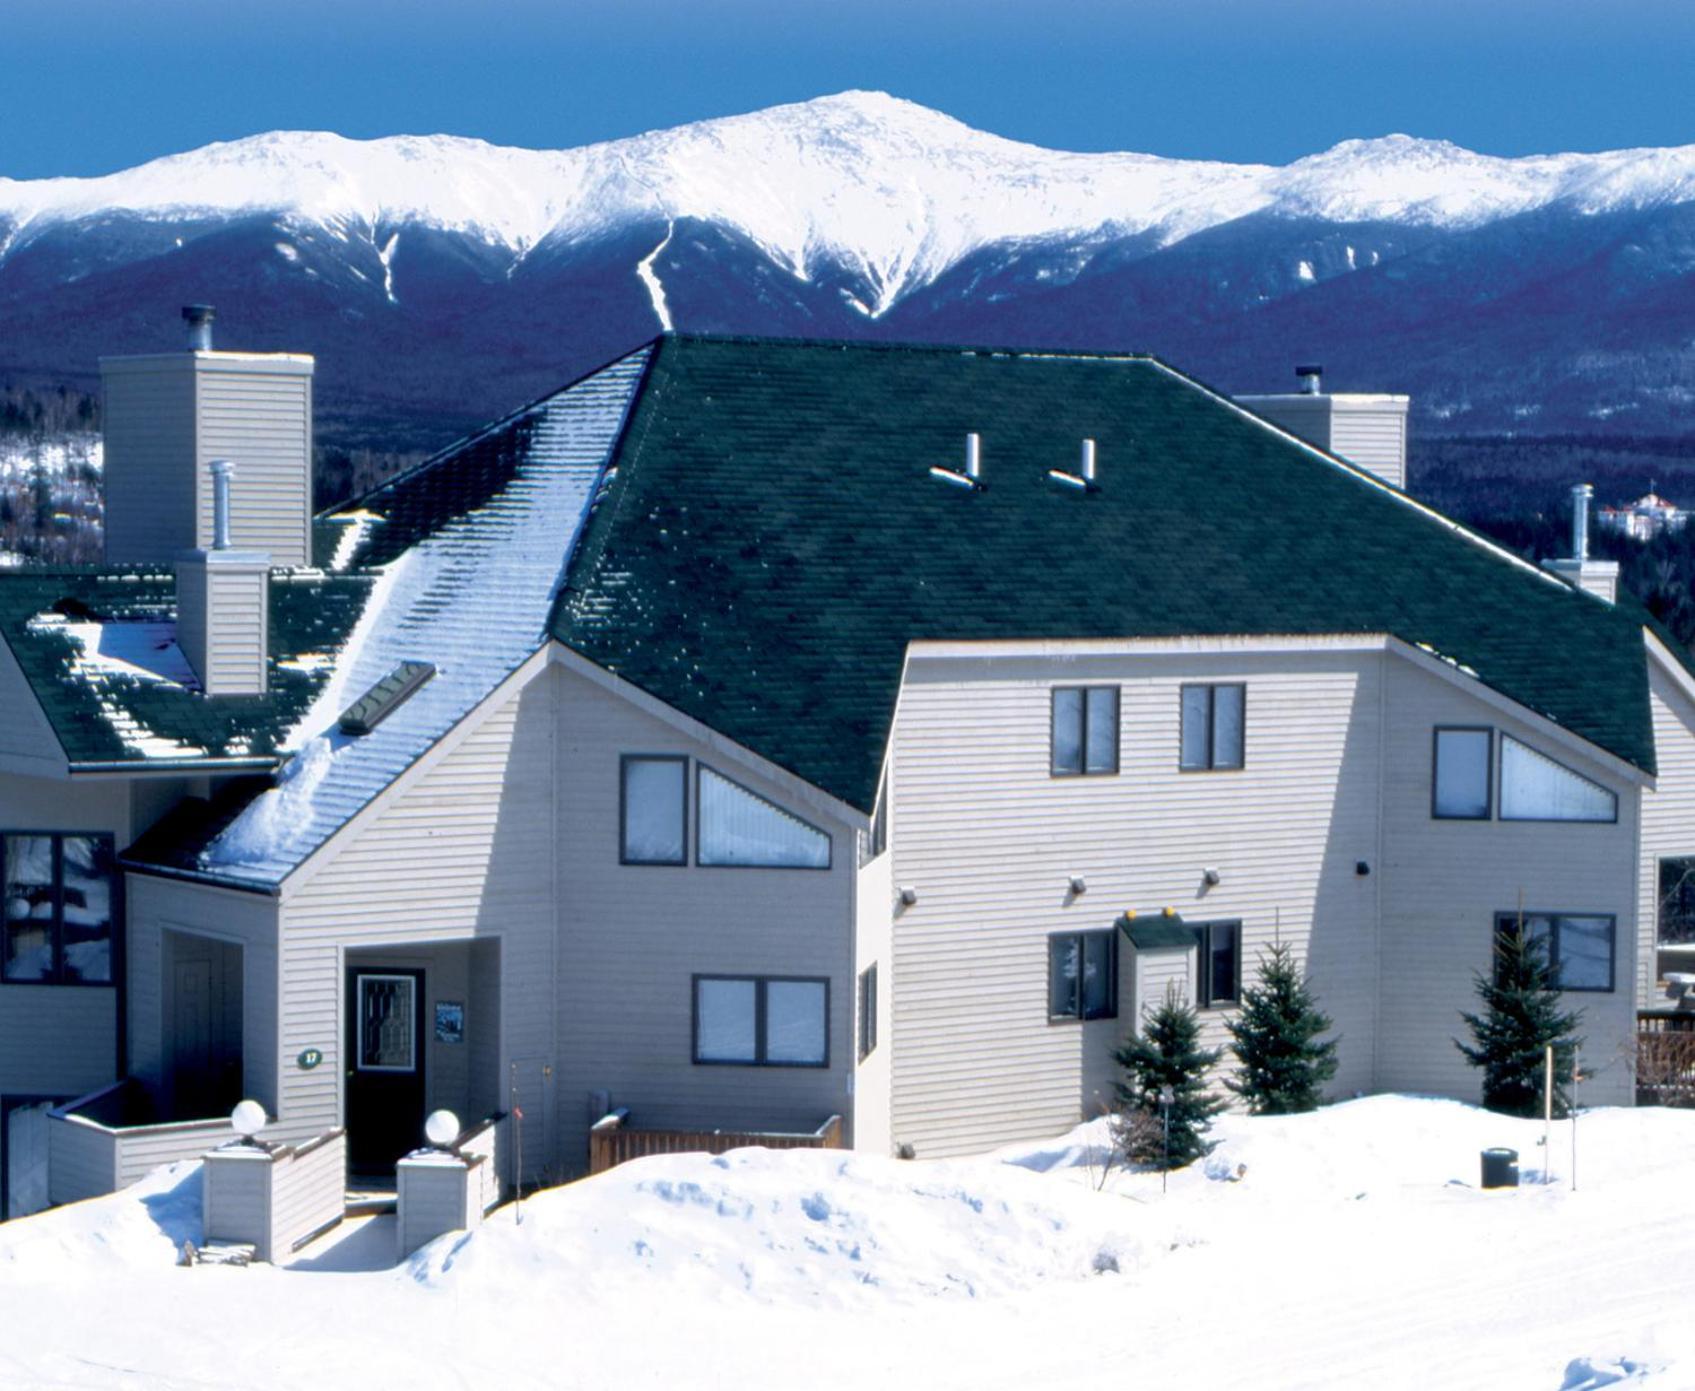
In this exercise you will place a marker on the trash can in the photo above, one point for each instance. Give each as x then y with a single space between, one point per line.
1500 1168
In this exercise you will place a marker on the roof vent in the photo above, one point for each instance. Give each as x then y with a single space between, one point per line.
1084 478
1596 577
199 318
1312 379
384 698
973 476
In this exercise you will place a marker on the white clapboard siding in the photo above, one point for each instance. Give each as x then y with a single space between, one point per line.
308 1192
632 937
1668 826
1442 882
1372 435
27 742
437 1194
82 1160
148 426
874 893
258 414
989 840
158 906
464 850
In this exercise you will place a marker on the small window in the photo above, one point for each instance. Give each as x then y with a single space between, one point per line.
1460 783
1214 727
761 1021
867 1010
1085 731
1219 964
1579 946
1536 788
740 828
655 810
1083 975
56 909
1677 901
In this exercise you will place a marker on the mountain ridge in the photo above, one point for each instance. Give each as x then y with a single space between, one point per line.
864 215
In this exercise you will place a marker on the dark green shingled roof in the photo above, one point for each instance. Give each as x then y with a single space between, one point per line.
1157 933
771 542
92 712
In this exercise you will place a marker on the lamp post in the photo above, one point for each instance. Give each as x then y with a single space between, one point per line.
1167 1095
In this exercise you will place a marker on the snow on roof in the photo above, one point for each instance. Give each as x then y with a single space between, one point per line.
473 598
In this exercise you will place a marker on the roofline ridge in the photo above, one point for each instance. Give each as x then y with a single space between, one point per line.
1406 499
483 431
909 345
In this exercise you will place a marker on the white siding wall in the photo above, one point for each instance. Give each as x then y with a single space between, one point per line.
464 848
158 906
223 619
149 431
259 415
874 893
633 936
1372 435
1668 828
989 838
1442 883
1157 971
27 741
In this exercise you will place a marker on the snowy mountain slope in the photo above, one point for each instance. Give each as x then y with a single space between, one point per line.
412 262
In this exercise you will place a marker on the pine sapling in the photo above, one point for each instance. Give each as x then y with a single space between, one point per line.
1520 1018
1284 1061
1167 1053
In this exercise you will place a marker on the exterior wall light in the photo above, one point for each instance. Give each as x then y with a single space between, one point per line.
908 895
1211 877
1079 884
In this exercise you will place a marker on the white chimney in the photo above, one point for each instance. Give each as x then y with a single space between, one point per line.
1366 429
1597 577
168 415
223 604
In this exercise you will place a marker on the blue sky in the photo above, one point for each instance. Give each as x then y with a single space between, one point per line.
88 86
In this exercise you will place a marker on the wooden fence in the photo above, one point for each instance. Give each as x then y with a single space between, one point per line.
612 1141
1665 1058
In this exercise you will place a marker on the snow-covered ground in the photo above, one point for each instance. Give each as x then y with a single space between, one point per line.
1351 1248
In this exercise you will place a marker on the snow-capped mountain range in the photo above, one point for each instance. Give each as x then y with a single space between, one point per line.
441 279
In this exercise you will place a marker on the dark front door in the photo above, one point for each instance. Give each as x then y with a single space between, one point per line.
385 1067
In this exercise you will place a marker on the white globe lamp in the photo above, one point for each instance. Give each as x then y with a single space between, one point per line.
441 1129
248 1118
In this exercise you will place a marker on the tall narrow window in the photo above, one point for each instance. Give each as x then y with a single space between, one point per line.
1084 730
1214 727
1219 964
1536 788
867 1010
56 909
655 810
1083 975
739 827
1460 785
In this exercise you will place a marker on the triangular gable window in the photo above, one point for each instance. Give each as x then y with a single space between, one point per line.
1535 788
738 827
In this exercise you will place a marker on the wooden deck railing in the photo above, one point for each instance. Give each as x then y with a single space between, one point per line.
612 1141
1665 1058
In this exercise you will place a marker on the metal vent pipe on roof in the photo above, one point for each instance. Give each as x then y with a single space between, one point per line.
199 318
1312 379
1580 495
973 456
1088 461
222 471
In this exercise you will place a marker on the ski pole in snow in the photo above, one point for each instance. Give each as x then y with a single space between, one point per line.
1576 1077
1167 1095
1547 1111
517 1152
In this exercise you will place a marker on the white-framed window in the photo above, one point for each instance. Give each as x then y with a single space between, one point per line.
1214 733
1218 973
1578 946
1083 731
1536 788
762 1021
737 827
653 809
1463 760
867 1011
58 895
1083 975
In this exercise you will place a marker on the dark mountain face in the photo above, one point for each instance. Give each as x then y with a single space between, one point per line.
1546 322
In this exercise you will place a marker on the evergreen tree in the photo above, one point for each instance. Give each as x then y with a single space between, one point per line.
1521 1016
1284 1064
1167 1053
